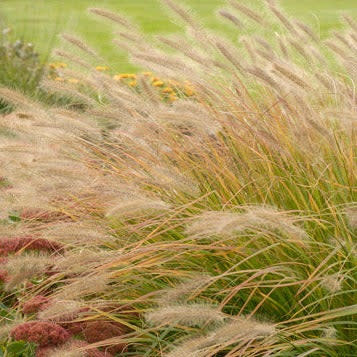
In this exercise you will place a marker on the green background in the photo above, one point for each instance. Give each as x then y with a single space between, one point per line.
40 20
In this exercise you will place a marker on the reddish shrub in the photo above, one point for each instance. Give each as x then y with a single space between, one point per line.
28 285
4 276
3 273
41 332
36 304
12 245
44 351
96 331
75 328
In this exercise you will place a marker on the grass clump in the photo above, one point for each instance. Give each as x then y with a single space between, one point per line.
219 224
21 67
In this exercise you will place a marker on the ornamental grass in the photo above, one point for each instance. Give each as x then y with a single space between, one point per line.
219 224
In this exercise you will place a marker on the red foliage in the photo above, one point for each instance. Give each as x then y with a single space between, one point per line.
96 331
44 351
13 245
36 304
75 328
28 285
41 332
4 277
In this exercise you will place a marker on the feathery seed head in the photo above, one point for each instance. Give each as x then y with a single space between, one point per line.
84 260
333 282
329 335
351 214
79 44
223 335
73 348
350 21
83 233
137 207
118 19
230 17
187 315
86 285
183 13
194 347
170 179
183 290
247 11
254 218
283 18
242 329
24 267
307 30
37 214
61 310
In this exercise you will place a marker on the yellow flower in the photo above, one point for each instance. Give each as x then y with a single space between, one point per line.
120 76
167 90
155 79
158 83
56 65
189 91
73 80
172 97
59 79
147 74
101 68
132 83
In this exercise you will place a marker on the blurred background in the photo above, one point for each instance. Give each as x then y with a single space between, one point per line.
40 21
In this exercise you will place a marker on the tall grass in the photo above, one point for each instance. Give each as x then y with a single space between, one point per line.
222 224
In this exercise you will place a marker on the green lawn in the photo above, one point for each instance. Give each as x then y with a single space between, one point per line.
40 20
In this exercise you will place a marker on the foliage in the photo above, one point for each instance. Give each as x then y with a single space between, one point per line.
19 349
20 65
